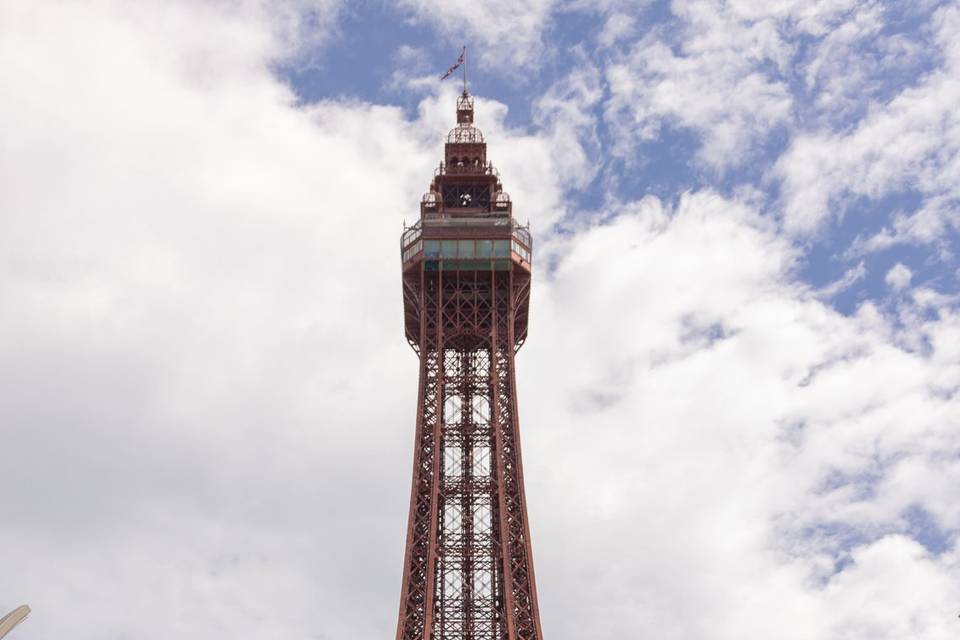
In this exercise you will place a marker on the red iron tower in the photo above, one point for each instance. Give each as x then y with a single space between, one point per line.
468 568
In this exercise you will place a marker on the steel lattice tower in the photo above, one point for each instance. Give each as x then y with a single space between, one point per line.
468 568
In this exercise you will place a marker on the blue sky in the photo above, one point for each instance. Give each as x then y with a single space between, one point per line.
895 53
739 397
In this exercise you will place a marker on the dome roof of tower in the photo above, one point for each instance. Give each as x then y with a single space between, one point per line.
465 133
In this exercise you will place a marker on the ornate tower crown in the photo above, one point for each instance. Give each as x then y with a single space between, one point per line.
466 184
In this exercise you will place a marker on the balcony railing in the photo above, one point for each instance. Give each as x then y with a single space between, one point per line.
410 234
467 168
520 242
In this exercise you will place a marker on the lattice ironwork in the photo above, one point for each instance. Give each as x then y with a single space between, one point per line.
468 566
465 133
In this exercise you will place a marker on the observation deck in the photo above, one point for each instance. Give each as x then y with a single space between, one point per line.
466 244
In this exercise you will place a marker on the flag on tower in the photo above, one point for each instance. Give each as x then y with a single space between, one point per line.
455 65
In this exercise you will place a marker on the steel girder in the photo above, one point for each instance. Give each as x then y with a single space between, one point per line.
468 567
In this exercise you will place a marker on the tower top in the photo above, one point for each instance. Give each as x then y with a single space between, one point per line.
465 132
466 184
465 108
466 218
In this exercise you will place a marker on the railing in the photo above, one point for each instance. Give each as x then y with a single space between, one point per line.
520 242
477 220
522 234
467 168
412 250
410 243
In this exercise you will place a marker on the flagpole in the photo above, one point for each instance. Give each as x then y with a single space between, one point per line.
464 69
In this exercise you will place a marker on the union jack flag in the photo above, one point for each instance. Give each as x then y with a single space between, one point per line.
455 65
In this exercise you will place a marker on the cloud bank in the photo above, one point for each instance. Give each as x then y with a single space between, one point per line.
207 403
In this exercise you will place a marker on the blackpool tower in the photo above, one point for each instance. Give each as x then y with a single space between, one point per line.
468 567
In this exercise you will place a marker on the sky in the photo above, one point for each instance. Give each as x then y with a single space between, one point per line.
739 397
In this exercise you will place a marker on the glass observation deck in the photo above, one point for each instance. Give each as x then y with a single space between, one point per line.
466 244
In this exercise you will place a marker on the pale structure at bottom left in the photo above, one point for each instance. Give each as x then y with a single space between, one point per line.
12 619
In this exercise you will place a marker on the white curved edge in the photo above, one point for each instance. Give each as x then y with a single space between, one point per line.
12 619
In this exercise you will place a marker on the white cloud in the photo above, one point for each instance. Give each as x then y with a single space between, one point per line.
616 28
176 234
908 144
719 440
413 72
887 577
852 65
206 407
505 33
566 114
898 277
297 26
850 277
722 72
716 93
